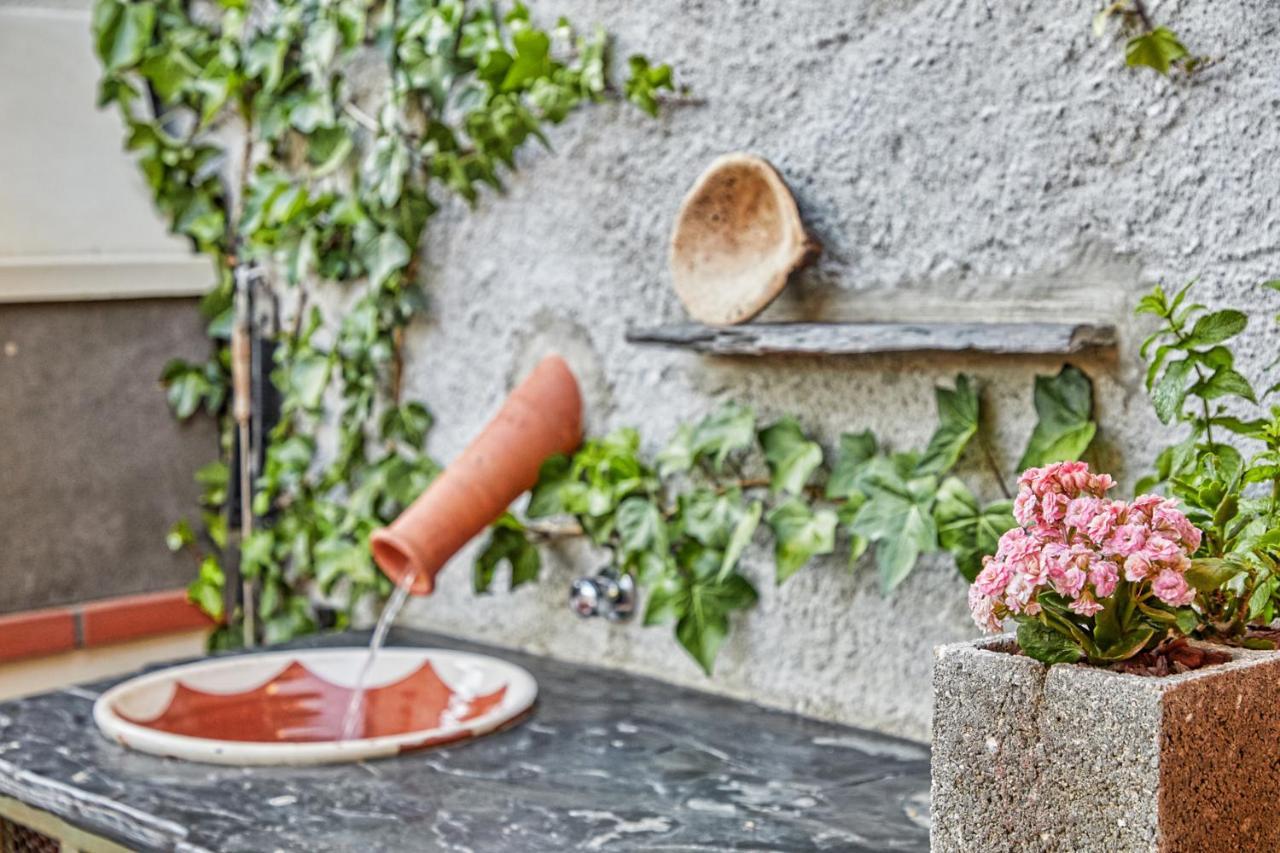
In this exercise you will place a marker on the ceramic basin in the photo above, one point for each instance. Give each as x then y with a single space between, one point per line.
288 707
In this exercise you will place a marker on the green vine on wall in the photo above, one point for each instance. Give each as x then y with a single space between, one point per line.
681 521
329 184
1149 44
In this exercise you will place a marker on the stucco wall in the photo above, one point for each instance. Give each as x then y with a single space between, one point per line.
958 159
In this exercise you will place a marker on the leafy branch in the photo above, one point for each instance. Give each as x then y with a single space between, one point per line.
1234 499
682 521
330 187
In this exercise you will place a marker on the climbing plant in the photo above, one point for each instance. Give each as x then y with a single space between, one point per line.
1149 44
314 139
680 521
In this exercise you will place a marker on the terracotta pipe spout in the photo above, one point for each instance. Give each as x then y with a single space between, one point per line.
541 417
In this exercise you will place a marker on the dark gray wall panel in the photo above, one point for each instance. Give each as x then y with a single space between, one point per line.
93 468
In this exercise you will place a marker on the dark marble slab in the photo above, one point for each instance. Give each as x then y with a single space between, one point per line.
608 761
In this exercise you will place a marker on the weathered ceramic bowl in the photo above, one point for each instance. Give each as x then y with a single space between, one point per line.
289 707
737 239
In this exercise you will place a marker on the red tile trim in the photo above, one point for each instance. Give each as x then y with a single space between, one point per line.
37 632
132 616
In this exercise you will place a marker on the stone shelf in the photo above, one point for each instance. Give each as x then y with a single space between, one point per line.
756 339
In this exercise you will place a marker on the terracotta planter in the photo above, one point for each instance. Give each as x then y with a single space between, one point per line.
541 417
1072 757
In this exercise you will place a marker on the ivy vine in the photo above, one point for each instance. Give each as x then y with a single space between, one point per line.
680 521
329 183
1149 44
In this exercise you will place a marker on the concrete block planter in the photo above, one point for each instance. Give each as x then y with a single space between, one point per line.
1076 758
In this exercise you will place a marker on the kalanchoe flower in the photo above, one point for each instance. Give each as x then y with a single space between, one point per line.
1171 587
1075 542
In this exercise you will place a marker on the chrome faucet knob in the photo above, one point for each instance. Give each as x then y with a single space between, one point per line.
608 594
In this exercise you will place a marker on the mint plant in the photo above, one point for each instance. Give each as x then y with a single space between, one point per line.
1232 493
680 521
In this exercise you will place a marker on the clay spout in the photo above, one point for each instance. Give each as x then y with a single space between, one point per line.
541 417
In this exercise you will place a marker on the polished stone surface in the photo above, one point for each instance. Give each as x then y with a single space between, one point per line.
608 761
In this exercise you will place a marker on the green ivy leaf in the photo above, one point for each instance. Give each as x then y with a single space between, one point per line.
968 530
187 387
386 255
640 526
677 456
180 535
122 31
508 542
532 60
206 590
709 517
731 428
1064 426
408 422
338 558
800 533
855 450
645 82
1157 49
740 538
700 600
898 518
214 478
328 148
546 499
1046 645
957 423
792 458
308 378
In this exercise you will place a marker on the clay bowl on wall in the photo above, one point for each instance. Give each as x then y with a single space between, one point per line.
738 237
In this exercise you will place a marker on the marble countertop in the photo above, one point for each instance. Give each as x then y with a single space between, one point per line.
608 761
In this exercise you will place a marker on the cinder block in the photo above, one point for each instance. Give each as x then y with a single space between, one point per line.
1077 758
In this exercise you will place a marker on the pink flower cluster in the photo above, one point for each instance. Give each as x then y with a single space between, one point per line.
1074 541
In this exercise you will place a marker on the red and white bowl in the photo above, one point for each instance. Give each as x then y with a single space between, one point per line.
286 708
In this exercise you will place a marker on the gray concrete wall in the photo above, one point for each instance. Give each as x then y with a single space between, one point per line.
93 469
958 159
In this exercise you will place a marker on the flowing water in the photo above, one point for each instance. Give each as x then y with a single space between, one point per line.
352 718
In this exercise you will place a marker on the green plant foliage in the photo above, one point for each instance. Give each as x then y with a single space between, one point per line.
897 515
1225 469
1065 427
967 529
507 542
1149 45
1047 645
1158 49
792 458
800 533
682 523
323 193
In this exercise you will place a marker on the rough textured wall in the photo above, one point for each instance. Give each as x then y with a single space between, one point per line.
958 159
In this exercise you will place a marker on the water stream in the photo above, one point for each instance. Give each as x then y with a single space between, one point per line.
352 718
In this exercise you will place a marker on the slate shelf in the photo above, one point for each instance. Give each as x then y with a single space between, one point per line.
846 339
